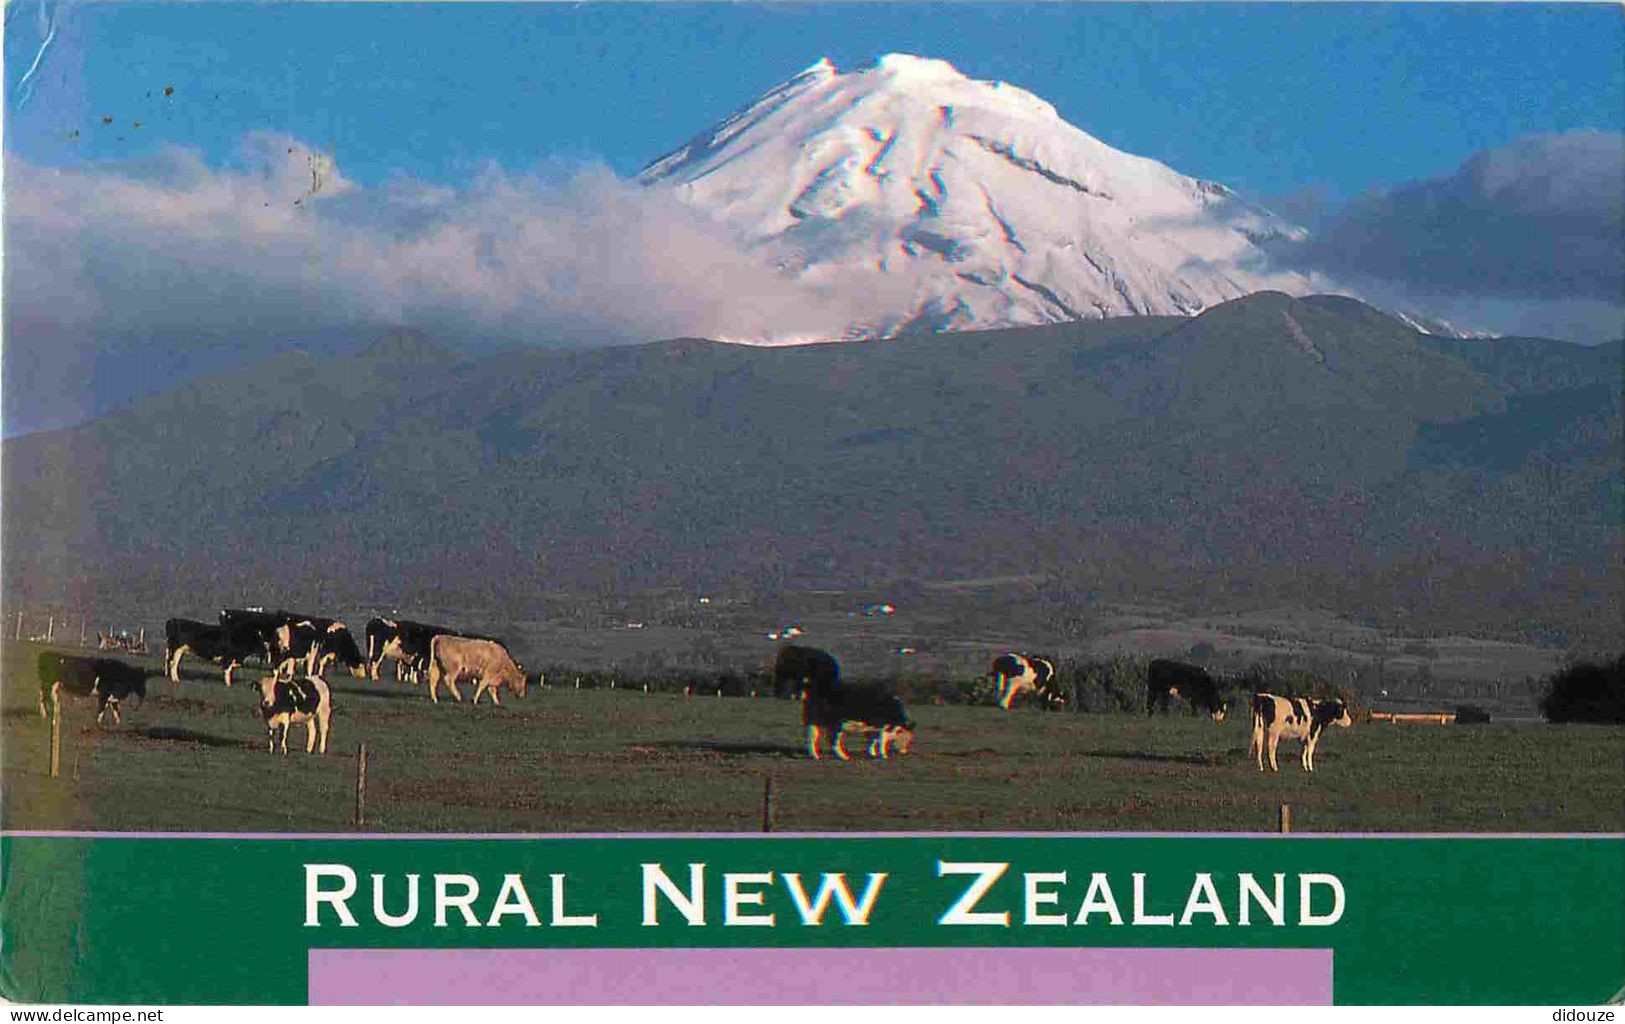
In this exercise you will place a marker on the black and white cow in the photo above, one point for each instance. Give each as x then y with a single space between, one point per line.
318 643
260 626
228 646
108 680
1295 718
1018 673
828 711
285 702
801 670
1166 680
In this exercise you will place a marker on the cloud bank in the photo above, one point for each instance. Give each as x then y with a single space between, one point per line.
168 267
1526 236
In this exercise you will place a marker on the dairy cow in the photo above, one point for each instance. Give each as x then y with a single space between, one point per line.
1296 718
1015 674
287 702
318 643
228 646
108 680
828 711
1166 680
798 670
407 643
453 659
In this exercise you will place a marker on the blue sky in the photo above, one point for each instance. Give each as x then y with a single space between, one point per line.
1464 160
1266 98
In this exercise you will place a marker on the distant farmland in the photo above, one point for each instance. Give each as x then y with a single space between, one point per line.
562 760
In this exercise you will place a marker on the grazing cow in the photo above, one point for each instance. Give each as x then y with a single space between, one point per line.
1165 680
108 680
228 646
408 644
285 702
800 670
318 642
827 711
455 658
1296 718
261 626
1017 673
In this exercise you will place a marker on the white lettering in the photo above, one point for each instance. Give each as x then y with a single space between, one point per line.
1037 897
445 899
960 912
513 899
1104 902
733 899
384 917
1140 916
1207 904
1273 909
691 905
1306 916
853 912
315 895
563 920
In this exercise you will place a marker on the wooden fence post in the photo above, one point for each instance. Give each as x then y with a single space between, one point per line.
361 787
768 807
18 634
1286 818
50 629
81 631
56 729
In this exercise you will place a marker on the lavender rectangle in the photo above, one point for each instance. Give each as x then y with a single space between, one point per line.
820 977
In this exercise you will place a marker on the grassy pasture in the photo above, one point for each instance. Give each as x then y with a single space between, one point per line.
194 759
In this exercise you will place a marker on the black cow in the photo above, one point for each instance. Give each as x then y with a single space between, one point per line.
409 643
802 670
108 680
1167 679
827 711
228 646
1015 673
318 643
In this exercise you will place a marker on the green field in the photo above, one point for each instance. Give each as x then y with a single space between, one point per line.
561 760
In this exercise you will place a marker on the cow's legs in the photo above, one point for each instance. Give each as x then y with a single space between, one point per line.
310 734
840 751
812 742
1256 745
1309 753
434 683
1274 741
172 663
230 665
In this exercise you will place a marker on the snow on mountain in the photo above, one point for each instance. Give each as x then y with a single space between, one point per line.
940 202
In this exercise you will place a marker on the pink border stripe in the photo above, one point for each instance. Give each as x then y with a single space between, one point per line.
820 977
420 836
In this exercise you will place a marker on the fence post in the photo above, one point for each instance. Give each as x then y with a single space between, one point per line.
56 729
18 634
768 806
1286 818
50 628
361 787
81 631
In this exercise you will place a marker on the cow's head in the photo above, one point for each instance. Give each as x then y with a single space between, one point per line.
519 683
1220 710
267 694
902 739
1334 712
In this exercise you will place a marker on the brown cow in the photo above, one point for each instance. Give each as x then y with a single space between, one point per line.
455 658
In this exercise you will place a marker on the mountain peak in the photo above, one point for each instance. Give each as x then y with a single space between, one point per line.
955 203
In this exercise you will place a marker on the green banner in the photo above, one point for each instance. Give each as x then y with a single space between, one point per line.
220 919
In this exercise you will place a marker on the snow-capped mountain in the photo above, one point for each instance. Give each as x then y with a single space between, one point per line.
951 203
